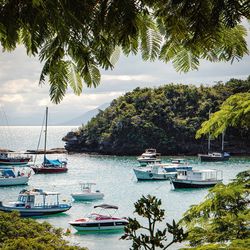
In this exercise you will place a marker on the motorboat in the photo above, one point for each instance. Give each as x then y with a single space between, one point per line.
7 158
197 178
49 166
8 177
86 193
214 156
153 172
174 165
103 220
36 202
149 156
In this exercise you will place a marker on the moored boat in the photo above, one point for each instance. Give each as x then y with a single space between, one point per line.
13 159
101 221
153 172
8 177
148 157
215 156
34 203
86 193
49 166
197 178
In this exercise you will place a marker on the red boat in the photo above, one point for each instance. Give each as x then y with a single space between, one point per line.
49 166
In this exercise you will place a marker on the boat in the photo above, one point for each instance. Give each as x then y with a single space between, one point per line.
102 221
35 203
214 156
197 178
149 156
175 164
153 172
8 177
86 193
7 158
49 166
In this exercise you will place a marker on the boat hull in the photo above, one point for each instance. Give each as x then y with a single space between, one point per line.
194 184
87 197
29 212
49 170
209 158
22 180
142 175
14 161
104 226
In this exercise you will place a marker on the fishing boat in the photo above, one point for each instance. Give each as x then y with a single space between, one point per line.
197 178
7 158
174 165
49 166
36 203
101 221
153 172
86 193
8 177
149 156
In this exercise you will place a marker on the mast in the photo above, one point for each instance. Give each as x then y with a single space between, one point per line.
45 139
209 139
222 141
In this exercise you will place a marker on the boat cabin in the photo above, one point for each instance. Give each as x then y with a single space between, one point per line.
199 175
37 198
86 186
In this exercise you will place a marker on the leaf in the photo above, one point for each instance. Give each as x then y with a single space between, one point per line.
74 78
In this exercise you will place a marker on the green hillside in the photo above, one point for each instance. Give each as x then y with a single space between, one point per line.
165 118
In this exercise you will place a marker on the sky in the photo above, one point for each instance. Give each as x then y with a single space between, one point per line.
23 101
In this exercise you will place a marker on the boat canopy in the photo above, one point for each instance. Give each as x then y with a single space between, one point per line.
8 172
52 162
106 206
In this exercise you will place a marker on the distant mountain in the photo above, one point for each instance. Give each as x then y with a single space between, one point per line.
83 119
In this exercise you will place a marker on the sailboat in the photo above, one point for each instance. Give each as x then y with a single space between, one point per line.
215 156
49 166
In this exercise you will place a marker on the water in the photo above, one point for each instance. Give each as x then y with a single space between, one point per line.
114 177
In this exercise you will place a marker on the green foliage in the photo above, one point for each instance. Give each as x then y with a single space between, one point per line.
165 118
150 237
89 33
18 233
223 216
235 111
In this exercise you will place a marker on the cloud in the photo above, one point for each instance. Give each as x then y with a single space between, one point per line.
148 78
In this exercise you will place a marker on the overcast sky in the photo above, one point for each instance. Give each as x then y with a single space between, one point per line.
24 101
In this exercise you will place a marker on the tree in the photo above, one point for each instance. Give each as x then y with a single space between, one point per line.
151 237
74 39
27 234
235 111
222 218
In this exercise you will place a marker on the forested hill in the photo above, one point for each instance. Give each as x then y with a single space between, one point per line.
165 118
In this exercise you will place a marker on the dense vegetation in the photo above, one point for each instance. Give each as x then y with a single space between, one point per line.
75 39
221 221
222 218
27 234
165 118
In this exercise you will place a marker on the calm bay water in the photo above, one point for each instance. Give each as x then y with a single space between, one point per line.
114 177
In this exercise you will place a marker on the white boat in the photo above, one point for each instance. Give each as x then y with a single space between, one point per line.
36 202
149 156
102 221
174 165
8 177
153 172
197 178
86 193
